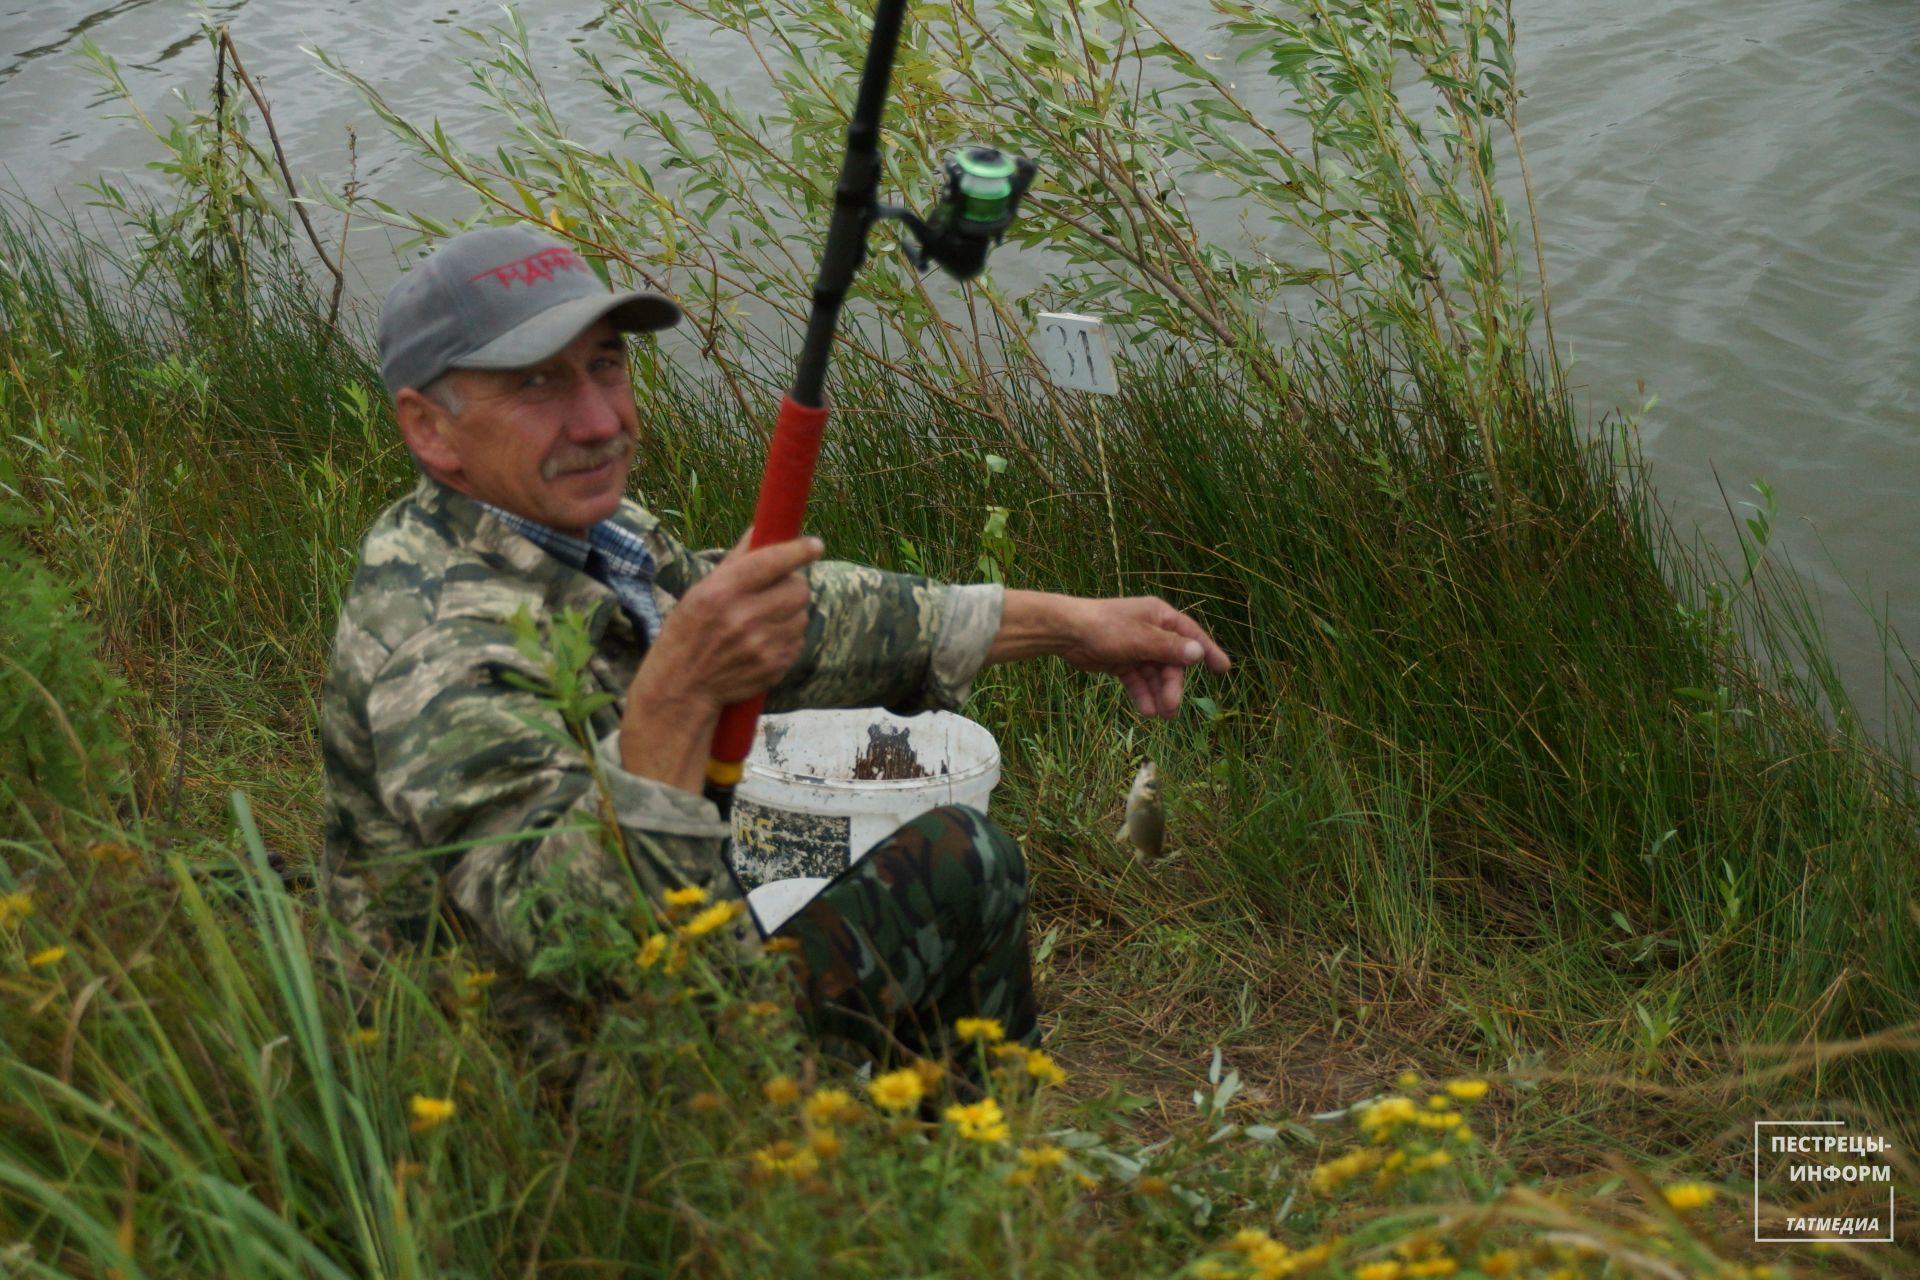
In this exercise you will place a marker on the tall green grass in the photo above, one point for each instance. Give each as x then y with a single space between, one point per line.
1455 807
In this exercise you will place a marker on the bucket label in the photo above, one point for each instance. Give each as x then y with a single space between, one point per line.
778 844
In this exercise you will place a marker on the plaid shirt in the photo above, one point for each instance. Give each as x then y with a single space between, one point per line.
610 555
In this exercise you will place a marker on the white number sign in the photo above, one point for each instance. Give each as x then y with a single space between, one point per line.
1075 349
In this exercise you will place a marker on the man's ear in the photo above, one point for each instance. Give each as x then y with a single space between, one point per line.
424 426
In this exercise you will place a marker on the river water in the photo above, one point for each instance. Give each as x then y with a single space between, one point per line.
1729 193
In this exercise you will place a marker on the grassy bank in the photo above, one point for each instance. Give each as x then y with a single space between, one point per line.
1488 798
1507 788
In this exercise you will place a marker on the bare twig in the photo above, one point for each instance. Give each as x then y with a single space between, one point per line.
286 174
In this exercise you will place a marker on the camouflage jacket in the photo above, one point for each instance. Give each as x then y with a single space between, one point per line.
439 791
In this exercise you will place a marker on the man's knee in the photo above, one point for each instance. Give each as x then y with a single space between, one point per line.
969 835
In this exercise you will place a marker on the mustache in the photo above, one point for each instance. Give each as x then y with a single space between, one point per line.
615 450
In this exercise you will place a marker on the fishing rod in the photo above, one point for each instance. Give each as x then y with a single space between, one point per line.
982 188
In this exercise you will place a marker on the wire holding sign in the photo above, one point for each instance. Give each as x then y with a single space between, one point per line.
1075 349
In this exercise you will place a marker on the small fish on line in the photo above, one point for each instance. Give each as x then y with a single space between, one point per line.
1145 827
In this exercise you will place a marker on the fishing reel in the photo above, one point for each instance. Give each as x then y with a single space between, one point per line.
977 202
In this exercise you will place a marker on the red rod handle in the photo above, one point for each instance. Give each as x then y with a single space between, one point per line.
784 488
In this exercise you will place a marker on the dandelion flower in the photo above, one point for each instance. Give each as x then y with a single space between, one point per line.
781 1090
829 1106
786 1158
1247 1239
1151 1184
692 896
430 1113
1378 1119
1387 1270
1431 1267
1407 1080
824 1143
41 959
717 916
980 1121
1501 1262
1467 1090
1044 1069
1432 1160
1022 1177
1688 1195
14 907
1439 1102
651 950
897 1090
1042 1157
1334 1174
987 1030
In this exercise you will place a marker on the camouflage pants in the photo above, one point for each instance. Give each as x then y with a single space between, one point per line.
928 926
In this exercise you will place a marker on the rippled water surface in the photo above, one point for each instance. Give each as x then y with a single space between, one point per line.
1730 196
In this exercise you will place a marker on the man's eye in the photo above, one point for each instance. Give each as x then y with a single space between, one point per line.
534 381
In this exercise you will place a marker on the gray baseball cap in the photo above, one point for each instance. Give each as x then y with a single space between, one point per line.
499 298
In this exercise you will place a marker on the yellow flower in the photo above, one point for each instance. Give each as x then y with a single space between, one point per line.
41 959
365 1037
781 1090
1008 1052
475 981
1467 1090
707 1101
828 1106
1462 1133
988 1030
1043 1157
1499 1263
1388 1270
1431 1267
1439 1102
980 1121
714 917
1151 1184
1379 1118
824 1143
15 907
1247 1239
1334 1174
651 950
897 1090
1407 1080
1271 1260
785 1157
688 897
1044 1069
1688 1195
1208 1269
1022 1177
1432 1160
429 1113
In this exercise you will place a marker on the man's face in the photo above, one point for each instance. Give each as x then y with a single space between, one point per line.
551 443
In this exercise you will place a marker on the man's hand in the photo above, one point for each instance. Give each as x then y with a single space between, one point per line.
734 634
1142 640
1146 643
737 630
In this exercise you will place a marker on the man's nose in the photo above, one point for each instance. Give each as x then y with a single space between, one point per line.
596 414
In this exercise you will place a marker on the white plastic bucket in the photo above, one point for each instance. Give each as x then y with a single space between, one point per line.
820 788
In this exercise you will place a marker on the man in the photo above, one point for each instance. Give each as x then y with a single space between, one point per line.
508 371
